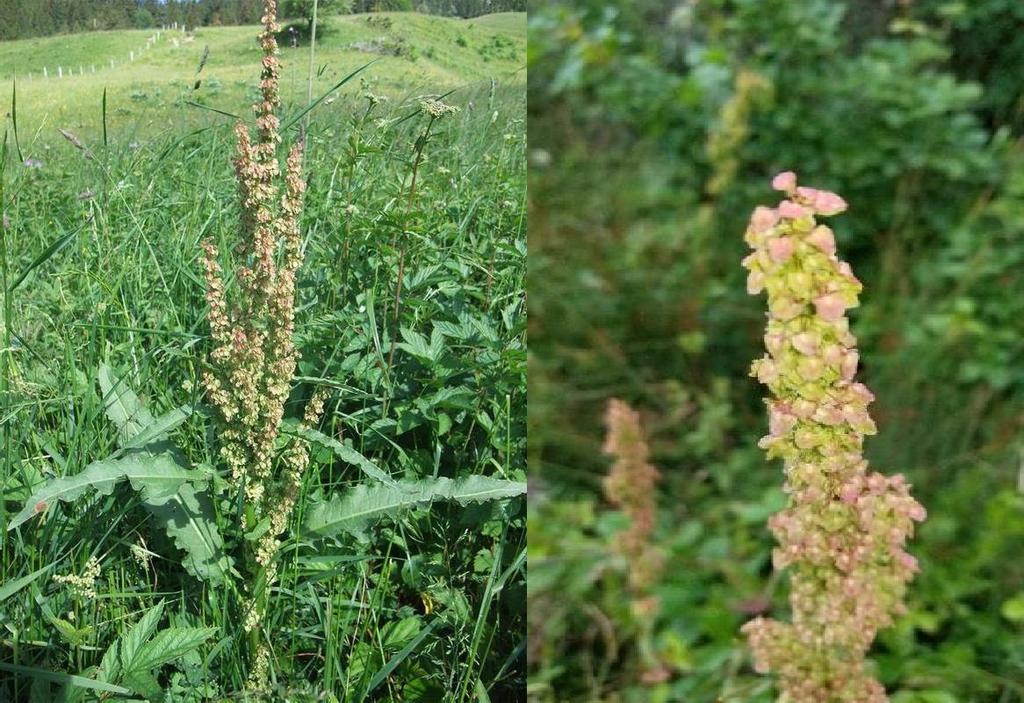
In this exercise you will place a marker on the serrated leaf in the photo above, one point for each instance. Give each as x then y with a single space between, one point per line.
133 641
347 454
121 404
366 502
189 520
398 633
145 684
110 666
77 636
416 344
168 645
157 476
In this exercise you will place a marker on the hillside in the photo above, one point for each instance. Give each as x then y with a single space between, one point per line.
416 54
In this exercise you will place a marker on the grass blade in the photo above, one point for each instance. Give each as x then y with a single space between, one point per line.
397 659
66 679
323 97
9 589
225 113
14 118
104 117
49 252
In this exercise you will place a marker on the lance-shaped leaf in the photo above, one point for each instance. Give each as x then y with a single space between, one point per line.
133 641
364 503
166 646
122 406
344 452
156 476
159 428
166 489
136 426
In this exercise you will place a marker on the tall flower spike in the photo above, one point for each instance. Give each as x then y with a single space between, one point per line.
843 532
630 486
253 355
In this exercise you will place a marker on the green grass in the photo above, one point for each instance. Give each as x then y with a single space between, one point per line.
101 265
151 93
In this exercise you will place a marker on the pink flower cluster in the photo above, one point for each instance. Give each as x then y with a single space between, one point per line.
843 532
631 486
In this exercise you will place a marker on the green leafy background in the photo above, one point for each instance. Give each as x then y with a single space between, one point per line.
643 172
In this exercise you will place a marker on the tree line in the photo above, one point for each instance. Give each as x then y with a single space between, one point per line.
20 19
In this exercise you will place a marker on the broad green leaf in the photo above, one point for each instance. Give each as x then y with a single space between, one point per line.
366 502
481 692
156 476
110 666
145 684
77 636
168 645
166 489
122 406
189 520
346 454
397 634
61 678
1013 609
416 344
133 641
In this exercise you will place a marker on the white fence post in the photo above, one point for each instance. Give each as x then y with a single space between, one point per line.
60 72
45 74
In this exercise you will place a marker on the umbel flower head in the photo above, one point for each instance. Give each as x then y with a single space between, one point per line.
843 532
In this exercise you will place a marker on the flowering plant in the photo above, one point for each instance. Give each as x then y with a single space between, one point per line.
631 485
843 532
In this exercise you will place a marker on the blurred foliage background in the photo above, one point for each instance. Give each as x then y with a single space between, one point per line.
654 128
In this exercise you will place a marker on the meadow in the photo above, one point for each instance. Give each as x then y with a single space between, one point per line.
415 54
410 321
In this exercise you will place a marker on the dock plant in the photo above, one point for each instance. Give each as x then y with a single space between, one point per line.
843 533
248 378
260 458
631 486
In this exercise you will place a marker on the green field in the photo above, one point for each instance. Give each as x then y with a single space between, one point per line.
152 93
410 315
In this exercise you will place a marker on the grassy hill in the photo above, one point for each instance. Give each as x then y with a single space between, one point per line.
417 54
